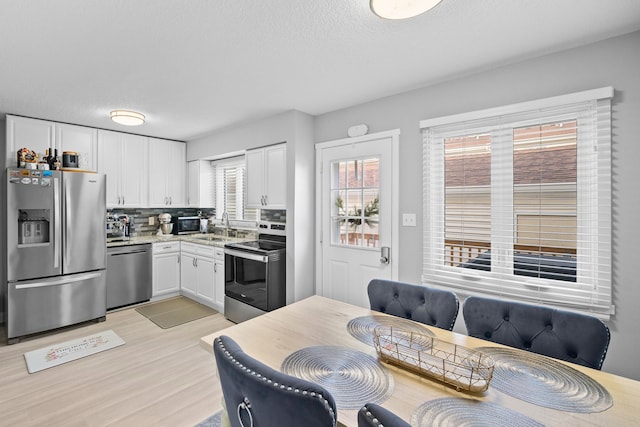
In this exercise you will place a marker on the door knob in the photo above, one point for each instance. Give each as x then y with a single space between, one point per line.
385 253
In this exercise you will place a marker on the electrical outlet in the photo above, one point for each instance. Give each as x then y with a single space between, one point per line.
409 220
152 220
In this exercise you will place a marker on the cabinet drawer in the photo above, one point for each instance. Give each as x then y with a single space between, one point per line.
159 248
218 253
194 248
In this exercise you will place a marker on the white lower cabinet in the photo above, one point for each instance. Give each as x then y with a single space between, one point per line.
191 269
198 273
166 268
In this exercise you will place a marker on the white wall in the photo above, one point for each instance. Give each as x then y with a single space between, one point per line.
614 62
296 129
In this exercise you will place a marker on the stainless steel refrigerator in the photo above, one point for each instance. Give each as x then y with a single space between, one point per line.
55 250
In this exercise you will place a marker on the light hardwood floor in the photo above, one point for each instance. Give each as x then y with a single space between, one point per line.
160 377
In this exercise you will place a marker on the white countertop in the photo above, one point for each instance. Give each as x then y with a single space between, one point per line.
203 239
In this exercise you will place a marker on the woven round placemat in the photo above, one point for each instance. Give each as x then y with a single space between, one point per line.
353 378
453 412
546 382
362 327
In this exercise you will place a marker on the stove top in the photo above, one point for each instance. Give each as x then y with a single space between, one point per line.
264 244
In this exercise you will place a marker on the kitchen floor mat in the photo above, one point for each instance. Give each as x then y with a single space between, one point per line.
175 311
57 354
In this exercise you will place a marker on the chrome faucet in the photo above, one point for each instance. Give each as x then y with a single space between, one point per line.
225 219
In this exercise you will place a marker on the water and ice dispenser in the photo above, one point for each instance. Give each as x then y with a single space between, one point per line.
33 226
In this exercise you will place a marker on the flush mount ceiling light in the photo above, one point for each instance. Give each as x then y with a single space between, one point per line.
127 118
401 9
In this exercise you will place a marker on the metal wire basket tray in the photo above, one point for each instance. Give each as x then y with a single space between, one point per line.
458 366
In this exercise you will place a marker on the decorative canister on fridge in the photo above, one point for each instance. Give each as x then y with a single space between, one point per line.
69 159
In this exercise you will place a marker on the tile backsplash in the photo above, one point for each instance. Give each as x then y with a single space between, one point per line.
139 218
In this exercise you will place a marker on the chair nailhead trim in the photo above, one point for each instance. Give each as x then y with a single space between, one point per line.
288 388
373 419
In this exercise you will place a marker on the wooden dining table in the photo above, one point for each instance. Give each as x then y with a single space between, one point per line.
319 321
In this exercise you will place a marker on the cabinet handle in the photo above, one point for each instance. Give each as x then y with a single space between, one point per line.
265 200
123 200
170 200
215 268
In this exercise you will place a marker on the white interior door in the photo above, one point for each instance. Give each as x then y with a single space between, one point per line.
357 196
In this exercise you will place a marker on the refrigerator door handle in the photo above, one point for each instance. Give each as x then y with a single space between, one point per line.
56 222
62 281
67 220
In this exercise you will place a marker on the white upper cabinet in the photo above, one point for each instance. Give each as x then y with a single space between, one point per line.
22 132
201 184
167 175
40 135
81 140
267 177
124 159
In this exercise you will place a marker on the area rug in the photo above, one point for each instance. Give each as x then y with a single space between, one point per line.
57 354
175 311
214 420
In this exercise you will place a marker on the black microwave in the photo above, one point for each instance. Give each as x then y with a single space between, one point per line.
185 224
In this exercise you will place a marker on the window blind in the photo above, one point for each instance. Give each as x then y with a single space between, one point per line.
231 189
517 202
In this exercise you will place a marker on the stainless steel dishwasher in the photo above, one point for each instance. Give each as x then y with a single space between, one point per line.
128 275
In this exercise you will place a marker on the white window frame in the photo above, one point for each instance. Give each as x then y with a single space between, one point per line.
592 292
238 163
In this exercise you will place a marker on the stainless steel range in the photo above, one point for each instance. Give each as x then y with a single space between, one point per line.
255 271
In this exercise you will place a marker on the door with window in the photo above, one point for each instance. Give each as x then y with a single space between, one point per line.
355 191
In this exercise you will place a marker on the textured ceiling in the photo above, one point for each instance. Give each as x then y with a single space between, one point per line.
194 66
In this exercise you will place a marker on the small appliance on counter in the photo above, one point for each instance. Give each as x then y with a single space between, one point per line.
166 227
185 224
118 227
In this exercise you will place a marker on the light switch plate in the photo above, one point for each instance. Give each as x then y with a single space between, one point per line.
151 220
409 220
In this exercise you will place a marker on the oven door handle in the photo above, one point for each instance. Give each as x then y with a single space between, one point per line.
246 255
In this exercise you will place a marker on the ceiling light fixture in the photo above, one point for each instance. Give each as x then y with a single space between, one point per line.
127 118
401 9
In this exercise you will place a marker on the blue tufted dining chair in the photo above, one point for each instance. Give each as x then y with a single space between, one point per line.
434 307
372 415
257 395
561 334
